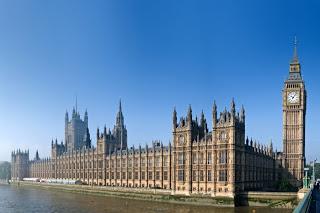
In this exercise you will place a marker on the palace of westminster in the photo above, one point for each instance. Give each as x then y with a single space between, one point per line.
217 162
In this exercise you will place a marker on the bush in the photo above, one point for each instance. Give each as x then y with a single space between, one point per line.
285 186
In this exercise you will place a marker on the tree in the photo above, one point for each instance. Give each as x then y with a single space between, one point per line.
316 170
285 186
5 170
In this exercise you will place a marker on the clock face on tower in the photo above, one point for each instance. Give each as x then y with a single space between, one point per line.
293 97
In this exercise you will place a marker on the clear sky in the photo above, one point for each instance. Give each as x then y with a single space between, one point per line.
154 55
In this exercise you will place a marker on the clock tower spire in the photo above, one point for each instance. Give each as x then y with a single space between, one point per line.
294 111
295 68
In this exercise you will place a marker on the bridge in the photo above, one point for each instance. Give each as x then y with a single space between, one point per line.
310 202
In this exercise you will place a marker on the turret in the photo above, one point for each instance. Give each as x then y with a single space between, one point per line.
214 115
233 108
73 113
203 123
119 119
37 156
120 131
189 116
66 118
105 131
242 114
174 118
86 118
87 139
271 146
202 119
98 133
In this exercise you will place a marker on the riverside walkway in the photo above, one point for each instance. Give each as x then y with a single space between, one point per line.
315 200
311 202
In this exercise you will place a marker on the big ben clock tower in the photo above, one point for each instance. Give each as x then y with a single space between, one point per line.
294 110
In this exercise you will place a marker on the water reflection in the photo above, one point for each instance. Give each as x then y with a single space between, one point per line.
25 199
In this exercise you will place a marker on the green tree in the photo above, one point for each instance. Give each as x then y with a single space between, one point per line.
5 170
316 170
285 186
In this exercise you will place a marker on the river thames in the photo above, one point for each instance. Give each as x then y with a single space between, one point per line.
24 199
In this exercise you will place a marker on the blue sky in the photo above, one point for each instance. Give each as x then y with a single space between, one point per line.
154 55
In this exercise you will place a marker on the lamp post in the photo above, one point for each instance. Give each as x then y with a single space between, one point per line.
313 172
306 179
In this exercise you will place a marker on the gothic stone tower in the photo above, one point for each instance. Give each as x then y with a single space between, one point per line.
109 141
120 130
209 159
75 130
294 110
184 133
228 136
19 165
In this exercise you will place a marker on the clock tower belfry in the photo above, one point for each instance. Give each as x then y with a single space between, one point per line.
294 110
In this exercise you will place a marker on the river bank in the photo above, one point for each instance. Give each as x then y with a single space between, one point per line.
23 198
262 199
4 182
158 195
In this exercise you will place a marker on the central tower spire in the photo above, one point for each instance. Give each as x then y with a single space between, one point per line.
120 130
119 120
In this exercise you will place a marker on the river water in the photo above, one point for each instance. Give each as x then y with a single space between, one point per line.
25 199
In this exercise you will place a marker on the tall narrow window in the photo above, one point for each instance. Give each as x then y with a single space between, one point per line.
150 176
194 175
157 175
136 175
223 175
223 157
201 176
150 162
130 175
180 175
201 158
136 162
209 175
194 158
209 158
165 175
165 161
157 161
180 158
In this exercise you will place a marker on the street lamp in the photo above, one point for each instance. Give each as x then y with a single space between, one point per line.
313 173
306 179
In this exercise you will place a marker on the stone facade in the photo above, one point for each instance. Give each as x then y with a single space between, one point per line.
217 162
20 165
75 130
294 116
220 162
